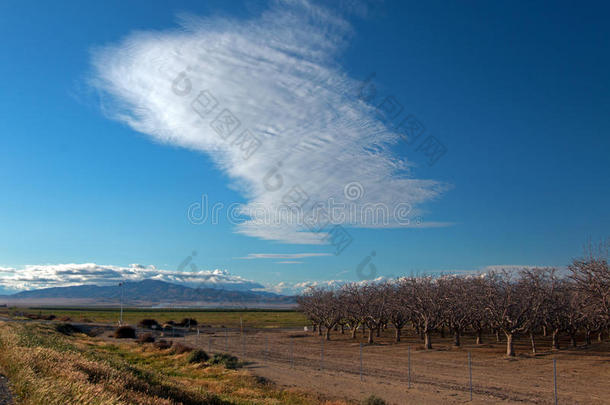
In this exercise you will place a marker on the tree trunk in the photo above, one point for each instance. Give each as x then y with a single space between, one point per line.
319 330
370 336
442 332
555 339
588 337
363 330
456 338
498 338
354 330
510 350
327 334
397 334
342 329
600 336
427 340
315 327
533 343
378 331
544 331
573 339
479 337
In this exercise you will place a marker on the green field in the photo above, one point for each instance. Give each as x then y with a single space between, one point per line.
230 318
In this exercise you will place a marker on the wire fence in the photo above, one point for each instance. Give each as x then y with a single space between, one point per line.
462 371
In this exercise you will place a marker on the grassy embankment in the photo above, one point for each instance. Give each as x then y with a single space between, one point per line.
48 367
214 317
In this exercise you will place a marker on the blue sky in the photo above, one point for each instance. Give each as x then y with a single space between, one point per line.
100 159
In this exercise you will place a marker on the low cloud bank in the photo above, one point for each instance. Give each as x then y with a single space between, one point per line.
32 277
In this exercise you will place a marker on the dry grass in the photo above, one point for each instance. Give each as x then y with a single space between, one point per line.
180 348
47 367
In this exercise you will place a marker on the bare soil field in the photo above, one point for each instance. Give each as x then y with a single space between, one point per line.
303 360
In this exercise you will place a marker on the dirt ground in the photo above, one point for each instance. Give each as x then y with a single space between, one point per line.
5 394
437 376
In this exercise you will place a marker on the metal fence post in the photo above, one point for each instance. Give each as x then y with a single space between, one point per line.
360 361
555 380
291 353
470 373
409 364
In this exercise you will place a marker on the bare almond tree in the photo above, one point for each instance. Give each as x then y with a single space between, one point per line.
556 308
479 317
312 306
456 304
536 283
575 318
591 276
398 308
369 304
426 306
505 306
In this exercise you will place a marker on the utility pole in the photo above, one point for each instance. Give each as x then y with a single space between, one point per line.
121 284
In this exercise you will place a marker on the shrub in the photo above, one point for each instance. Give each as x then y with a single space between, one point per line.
146 338
67 328
198 356
163 344
96 332
148 323
180 348
188 322
65 319
374 400
230 362
125 332
49 317
172 323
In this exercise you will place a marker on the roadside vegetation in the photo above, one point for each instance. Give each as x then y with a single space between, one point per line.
47 364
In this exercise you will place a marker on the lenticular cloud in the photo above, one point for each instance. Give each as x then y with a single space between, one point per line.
267 101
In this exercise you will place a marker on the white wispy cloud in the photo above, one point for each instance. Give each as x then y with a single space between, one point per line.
63 275
277 74
283 255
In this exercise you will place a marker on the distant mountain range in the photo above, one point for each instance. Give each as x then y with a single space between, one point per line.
149 293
